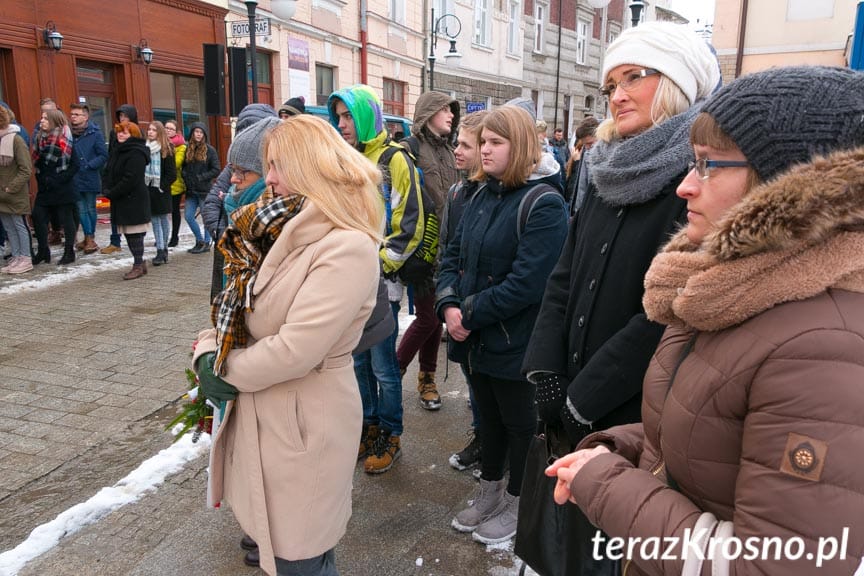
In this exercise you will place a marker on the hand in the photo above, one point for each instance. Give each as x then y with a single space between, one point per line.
551 396
567 467
453 319
209 384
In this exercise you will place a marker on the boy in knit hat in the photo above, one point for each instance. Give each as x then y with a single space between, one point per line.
293 107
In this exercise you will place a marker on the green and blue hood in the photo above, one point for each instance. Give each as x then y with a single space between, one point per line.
365 108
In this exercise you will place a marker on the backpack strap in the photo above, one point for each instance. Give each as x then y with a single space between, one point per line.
412 144
526 205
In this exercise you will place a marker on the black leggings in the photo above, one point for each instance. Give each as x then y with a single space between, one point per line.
136 246
176 217
508 420
62 213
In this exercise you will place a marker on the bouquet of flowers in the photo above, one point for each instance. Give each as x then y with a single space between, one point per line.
197 412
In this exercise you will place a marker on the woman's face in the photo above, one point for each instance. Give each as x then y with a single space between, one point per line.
198 135
44 124
170 129
494 153
466 150
272 180
151 132
123 136
243 179
708 200
631 107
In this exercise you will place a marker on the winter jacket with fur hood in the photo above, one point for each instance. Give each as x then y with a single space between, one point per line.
763 425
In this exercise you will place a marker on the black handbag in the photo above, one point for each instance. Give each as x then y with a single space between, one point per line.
554 540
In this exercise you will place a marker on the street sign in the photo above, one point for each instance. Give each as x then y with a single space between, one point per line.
241 28
474 106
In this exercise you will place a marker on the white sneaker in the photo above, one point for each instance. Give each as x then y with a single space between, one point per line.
24 264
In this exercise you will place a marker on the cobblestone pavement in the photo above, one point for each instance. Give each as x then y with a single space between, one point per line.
90 369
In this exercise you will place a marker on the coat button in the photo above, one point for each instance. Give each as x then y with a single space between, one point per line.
581 321
592 285
604 248
575 357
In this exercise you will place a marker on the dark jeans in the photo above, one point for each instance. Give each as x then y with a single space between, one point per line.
324 565
176 217
508 420
423 335
62 213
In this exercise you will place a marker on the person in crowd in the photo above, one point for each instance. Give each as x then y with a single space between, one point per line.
542 129
159 174
89 145
575 177
126 188
175 136
592 342
14 122
125 113
15 170
200 167
489 289
55 225
287 474
293 107
356 112
467 155
436 117
560 148
55 166
756 381
213 213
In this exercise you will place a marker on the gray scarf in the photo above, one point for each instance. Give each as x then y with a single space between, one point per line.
635 170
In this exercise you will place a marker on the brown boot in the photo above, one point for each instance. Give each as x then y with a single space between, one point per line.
90 245
137 271
80 245
385 452
429 397
367 440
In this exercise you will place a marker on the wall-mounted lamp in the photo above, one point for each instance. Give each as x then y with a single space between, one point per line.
144 52
53 39
283 9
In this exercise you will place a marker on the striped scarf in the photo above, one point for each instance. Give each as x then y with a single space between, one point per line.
54 148
244 246
153 171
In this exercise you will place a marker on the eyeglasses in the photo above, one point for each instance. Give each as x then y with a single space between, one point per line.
169 129
703 166
239 173
629 82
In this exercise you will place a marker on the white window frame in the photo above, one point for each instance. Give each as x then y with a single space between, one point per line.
443 7
513 36
482 23
582 27
397 11
540 11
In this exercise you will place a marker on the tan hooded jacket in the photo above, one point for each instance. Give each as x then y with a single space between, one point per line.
763 426
435 155
285 453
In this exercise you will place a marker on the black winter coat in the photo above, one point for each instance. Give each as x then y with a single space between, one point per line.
56 188
496 278
124 183
591 325
198 176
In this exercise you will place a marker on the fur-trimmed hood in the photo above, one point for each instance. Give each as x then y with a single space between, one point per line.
790 239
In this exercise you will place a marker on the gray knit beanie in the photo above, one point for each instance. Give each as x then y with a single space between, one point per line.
785 116
252 114
245 150
525 103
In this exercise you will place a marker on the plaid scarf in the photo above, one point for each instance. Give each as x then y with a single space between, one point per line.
244 246
54 148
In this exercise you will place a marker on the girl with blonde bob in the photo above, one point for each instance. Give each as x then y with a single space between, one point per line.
489 289
302 271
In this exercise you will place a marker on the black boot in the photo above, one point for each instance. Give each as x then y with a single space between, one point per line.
68 257
173 242
42 255
160 257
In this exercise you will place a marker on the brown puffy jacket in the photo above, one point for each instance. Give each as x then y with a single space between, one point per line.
762 429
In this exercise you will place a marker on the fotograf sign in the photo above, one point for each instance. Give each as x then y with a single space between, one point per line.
240 28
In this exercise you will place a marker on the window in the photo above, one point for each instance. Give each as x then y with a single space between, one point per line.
394 97
539 16
513 29
612 37
177 97
582 41
443 7
262 71
397 11
323 84
482 22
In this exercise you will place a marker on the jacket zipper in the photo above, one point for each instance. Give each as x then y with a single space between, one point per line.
506 334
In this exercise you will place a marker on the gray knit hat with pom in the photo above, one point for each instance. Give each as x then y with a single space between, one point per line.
785 116
245 150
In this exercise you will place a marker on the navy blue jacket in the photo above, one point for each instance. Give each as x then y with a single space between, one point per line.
497 278
92 155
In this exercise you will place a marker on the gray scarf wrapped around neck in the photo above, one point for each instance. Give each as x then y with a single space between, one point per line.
635 170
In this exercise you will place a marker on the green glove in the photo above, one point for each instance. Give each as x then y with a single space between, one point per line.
211 386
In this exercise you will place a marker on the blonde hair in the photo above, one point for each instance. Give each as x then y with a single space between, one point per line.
669 100
162 139
312 159
517 126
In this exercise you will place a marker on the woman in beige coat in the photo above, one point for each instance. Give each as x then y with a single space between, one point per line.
302 276
748 460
